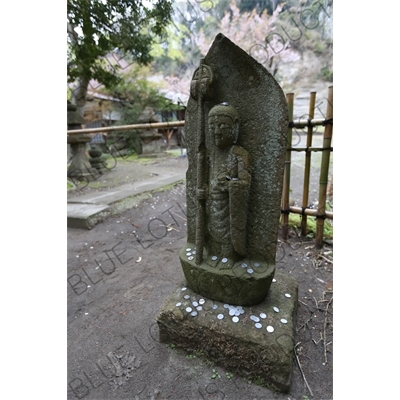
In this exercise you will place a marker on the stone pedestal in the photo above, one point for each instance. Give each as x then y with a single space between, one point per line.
257 342
245 282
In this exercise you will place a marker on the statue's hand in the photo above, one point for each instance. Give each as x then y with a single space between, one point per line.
237 183
222 182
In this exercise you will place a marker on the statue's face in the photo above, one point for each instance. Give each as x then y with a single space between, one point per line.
221 128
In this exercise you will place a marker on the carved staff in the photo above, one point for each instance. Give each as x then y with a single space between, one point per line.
200 90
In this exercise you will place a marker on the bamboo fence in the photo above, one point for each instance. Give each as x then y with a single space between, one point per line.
320 214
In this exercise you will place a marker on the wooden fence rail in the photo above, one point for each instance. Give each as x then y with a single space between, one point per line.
320 214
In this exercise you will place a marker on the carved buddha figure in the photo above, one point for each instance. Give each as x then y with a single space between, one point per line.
229 177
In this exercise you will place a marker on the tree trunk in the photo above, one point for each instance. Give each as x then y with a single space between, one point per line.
79 95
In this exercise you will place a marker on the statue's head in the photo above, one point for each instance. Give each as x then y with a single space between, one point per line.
223 123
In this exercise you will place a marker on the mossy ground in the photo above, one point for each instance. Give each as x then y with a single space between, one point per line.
295 222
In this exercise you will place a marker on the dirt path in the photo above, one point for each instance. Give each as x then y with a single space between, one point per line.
118 275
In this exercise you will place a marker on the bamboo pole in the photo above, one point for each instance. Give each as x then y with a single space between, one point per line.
307 167
303 123
309 149
286 175
174 124
323 180
310 212
156 125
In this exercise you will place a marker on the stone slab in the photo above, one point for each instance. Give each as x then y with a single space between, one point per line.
239 347
85 216
261 105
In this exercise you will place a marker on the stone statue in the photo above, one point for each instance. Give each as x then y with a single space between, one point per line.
227 191
236 127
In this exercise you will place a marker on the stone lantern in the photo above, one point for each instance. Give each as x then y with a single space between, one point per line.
79 165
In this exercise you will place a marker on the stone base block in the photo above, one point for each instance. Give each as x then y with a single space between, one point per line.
256 342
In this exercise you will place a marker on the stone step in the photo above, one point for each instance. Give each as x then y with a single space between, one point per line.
84 212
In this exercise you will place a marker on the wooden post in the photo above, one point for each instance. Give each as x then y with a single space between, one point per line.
307 167
323 180
168 135
286 175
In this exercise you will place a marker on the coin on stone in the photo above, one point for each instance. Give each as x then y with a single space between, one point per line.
214 306
256 265
244 265
235 319
220 316
189 254
199 308
193 313
202 301
195 303
183 289
178 304
258 325
250 271
263 315
276 309
188 249
270 329
186 296
284 321
214 258
287 295
224 260
190 258
188 309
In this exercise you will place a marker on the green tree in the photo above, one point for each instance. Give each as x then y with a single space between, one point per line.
139 97
136 93
96 29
